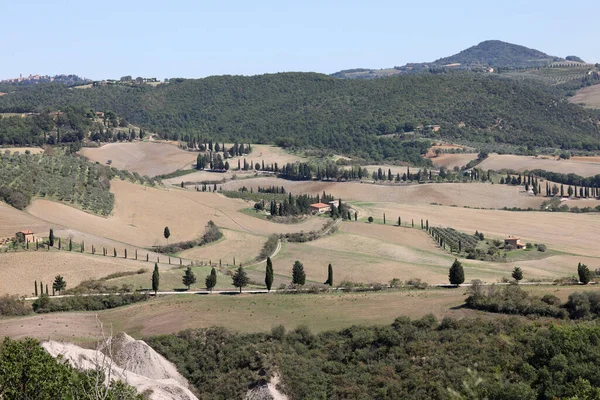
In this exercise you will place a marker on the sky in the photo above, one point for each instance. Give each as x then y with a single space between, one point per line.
194 39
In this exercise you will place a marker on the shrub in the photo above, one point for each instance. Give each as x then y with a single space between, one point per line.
370 219
541 247
14 306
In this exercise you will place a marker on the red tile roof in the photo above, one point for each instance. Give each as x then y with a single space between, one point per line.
319 205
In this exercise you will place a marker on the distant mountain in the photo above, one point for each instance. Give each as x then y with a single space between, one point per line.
485 55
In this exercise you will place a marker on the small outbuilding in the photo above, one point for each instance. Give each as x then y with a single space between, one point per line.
514 241
320 208
25 236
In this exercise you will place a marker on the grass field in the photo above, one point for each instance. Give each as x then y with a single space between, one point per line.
580 166
255 313
145 158
588 96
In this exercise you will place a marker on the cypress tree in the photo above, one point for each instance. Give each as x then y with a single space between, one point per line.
298 274
125 251
70 244
384 218
59 244
41 288
399 221
240 279
36 288
355 216
188 278
585 275
517 274
456 274
269 274
46 288
51 238
329 280
114 251
82 246
155 279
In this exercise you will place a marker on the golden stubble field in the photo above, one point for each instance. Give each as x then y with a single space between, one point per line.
567 232
483 195
582 166
450 160
20 270
589 96
141 214
145 158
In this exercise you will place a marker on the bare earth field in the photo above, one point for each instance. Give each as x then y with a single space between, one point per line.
568 232
589 96
481 195
145 158
141 213
19 270
580 166
450 161
271 154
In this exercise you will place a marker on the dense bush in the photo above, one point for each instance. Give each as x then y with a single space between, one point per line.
419 359
269 247
46 304
14 306
346 116
511 300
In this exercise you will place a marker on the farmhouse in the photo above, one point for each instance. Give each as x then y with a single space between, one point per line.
25 236
514 241
320 208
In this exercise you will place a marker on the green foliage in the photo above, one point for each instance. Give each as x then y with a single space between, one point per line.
345 116
329 280
29 372
456 274
419 359
155 278
14 306
495 53
59 284
189 278
211 280
240 278
269 275
517 274
585 275
47 304
298 274
269 247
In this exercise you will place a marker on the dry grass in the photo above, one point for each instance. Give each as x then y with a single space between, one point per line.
20 270
450 161
568 232
141 213
242 246
145 158
22 150
579 166
254 313
589 96
480 195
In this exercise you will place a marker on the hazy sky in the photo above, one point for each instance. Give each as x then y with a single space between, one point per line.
186 38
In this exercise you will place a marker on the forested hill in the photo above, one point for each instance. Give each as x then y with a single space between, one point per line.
347 116
495 53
